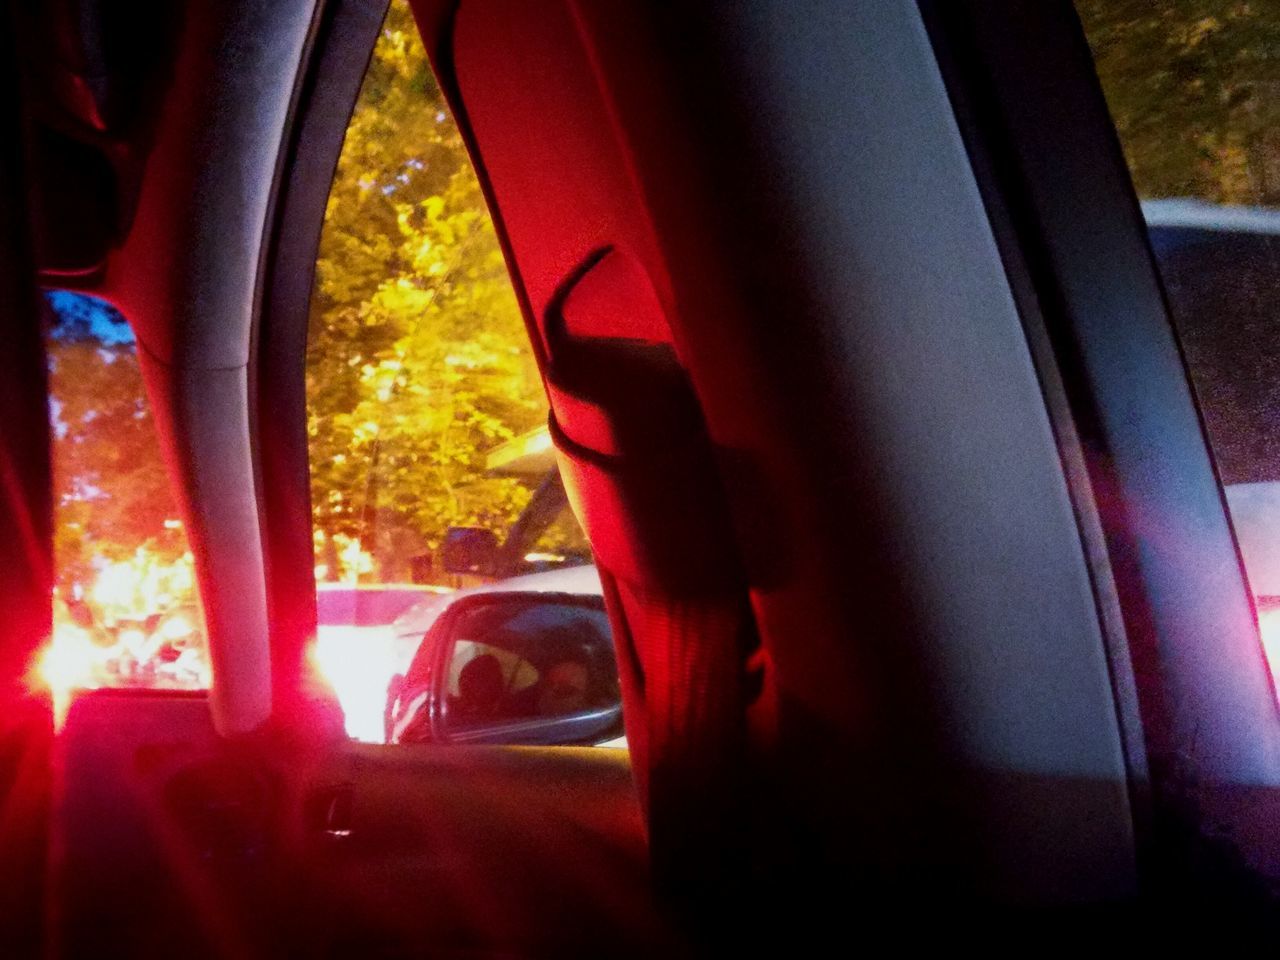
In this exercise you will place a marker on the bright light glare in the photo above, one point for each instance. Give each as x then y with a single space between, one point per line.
1269 627
135 642
538 557
176 627
357 663
115 641
70 662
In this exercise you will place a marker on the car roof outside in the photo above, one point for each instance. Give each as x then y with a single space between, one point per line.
369 604
582 580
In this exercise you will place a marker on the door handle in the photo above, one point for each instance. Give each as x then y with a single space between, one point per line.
329 812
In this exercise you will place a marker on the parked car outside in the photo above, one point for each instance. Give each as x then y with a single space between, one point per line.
405 697
354 643
528 660
543 554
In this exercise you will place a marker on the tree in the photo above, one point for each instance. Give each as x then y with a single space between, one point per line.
418 361
111 493
1194 89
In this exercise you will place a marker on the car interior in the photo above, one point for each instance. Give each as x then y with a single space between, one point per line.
865 386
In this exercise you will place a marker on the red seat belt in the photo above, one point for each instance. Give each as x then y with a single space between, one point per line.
642 476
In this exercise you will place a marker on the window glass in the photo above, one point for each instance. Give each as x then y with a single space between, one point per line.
125 605
1194 89
426 410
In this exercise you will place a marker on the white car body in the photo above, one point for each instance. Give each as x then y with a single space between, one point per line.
355 643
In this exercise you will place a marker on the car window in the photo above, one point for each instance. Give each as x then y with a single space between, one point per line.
1193 89
418 362
425 407
126 612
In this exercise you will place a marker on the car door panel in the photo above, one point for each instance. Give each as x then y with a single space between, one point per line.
533 850
135 865
173 839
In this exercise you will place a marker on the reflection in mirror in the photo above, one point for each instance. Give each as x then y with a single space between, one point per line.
513 668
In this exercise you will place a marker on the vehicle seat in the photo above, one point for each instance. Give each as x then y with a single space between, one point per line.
564 688
480 688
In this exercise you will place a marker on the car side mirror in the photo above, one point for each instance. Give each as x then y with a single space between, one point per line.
526 668
469 550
